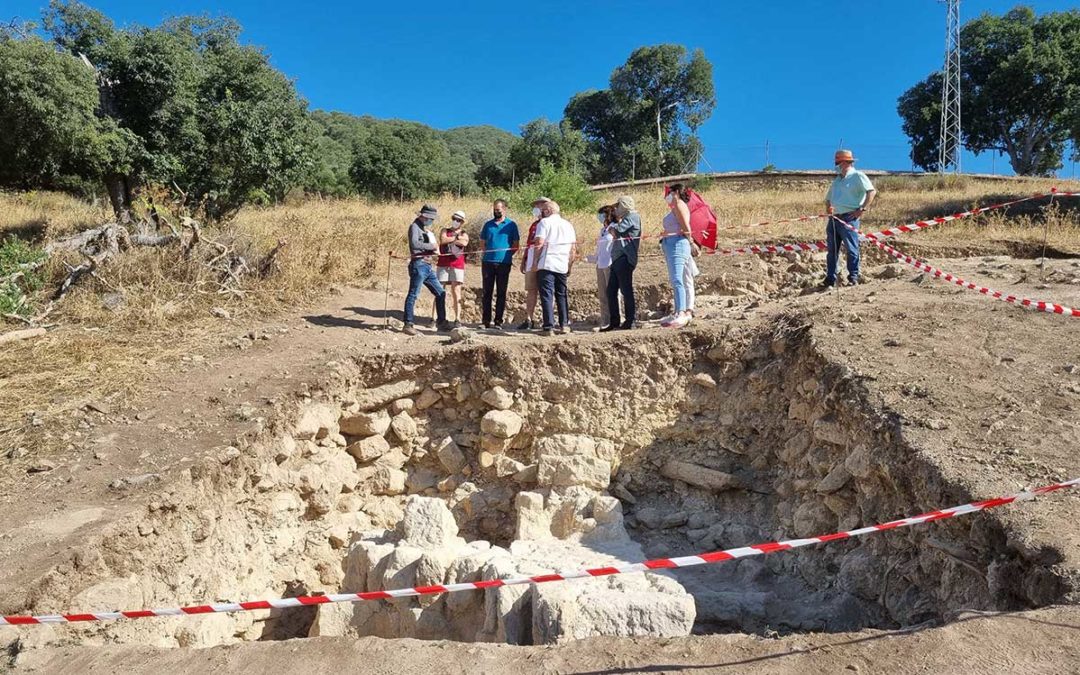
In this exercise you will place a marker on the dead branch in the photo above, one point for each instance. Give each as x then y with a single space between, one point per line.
269 261
74 275
196 235
23 334
154 239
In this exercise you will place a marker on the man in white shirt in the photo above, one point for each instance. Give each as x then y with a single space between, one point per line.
848 199
555 249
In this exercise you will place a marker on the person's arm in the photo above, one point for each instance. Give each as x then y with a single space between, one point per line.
483 241
462 239
515 240
573 257
418 241
870 196
445 238
539 242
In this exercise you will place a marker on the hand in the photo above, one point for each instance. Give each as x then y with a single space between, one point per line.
830 210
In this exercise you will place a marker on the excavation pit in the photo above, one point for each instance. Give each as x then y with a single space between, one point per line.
484 462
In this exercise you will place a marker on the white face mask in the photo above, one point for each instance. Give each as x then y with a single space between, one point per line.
600 217
536 212
670 198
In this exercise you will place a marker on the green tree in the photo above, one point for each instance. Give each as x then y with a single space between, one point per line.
407 160
543 142
655 103
488 148
1020 88
189 105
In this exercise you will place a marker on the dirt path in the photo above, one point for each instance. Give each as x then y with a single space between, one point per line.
1042 641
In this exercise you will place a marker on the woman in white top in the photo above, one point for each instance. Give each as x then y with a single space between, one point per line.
676 245
604 242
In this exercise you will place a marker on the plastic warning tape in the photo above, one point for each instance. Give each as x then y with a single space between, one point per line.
922 224
648 565
1040 305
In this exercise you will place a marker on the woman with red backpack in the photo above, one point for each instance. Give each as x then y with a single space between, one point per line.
689 226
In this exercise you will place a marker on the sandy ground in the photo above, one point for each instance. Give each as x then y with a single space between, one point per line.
1042 641
988 390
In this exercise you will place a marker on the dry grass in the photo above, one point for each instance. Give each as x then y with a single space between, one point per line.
97 353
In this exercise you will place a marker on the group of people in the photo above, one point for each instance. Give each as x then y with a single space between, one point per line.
551 251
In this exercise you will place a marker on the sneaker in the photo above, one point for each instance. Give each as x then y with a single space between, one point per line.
527 324
679 322
498 326
826 285
409 329
666 320
854 281
564 330
445 327
547 332
627 325
609 328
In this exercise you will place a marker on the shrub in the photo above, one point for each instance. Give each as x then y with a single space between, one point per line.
19 276
564 186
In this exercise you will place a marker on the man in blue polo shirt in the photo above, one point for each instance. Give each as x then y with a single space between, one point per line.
499 242
849 197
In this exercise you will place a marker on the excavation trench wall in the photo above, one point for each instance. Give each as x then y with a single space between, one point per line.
803 445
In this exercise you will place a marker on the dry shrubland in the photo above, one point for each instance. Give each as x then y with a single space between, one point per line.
150 306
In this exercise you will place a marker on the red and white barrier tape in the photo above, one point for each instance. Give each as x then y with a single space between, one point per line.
1040 305
658 564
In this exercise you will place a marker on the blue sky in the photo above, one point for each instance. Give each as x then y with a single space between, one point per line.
802 75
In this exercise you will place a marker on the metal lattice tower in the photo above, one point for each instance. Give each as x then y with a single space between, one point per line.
949 147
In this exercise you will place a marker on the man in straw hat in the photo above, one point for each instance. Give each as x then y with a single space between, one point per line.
422 246
849 197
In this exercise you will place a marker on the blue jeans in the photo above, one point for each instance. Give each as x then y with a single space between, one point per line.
835 234
422 274
676 253
552 287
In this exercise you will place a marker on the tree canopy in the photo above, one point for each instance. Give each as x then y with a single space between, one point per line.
1020 87
645 123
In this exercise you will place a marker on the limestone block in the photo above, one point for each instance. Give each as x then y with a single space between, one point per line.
428 523
388 481
700 476
450 455
316 420
494 444
402 405
369 399
557 471
369 449
365 424
836 479
404 427
501 423
506 466
427 398
498 398
829 430
564 445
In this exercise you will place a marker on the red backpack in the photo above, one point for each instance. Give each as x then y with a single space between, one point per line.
702 221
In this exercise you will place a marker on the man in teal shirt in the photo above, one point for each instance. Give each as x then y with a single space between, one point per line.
499 242
849 197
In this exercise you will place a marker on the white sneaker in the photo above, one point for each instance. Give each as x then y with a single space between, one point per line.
666 321
679 322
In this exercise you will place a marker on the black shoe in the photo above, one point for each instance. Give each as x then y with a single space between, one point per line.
445 326
409 329
498 327
610 327
627 325
826 285
547 332
854 281
526 325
